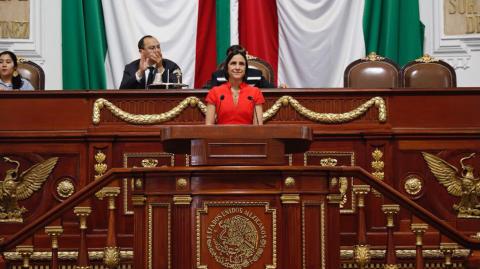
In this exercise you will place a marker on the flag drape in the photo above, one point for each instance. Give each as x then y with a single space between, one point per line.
84 45
393 29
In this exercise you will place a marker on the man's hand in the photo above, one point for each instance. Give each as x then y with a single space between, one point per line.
143 65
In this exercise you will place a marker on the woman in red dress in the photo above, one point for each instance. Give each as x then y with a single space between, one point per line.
235 102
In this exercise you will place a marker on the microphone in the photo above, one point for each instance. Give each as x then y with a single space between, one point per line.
254 110
178 73
219 106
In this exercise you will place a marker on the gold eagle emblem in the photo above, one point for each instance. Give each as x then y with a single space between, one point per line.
15 187
462 184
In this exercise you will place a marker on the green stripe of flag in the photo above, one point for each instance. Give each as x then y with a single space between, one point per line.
392 28
223 28
84 45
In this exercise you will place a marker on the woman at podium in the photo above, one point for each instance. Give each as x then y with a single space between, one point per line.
235 102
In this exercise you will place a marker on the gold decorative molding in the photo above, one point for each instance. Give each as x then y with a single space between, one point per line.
111 257
100 103
230 204
390 211
182 183
82 212
64 255
373 57
54 232
111 193
361 255
192 101
391 266
334 198
426 58
360 191
330 118
138 200
413 185
346 254
289 182
328 162
100 166
65 188
17 186
331 158
419 229
377 165
474 236
290 198
182 199
447 249
149 162
462 184
25 252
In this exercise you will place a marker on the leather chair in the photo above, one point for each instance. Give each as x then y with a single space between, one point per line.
262 65
32 72
428 72
373 71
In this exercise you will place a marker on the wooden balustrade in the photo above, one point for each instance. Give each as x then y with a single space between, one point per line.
83 261
419 230
390 211
361 250
54 232
111 256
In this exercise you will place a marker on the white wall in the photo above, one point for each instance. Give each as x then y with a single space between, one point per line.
462 52
45 44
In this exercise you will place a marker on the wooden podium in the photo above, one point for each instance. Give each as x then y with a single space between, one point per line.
237 144
232 215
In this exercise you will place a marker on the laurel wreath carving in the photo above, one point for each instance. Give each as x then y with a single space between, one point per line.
192 101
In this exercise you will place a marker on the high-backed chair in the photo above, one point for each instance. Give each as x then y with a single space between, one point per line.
428 72
373 71
262 65
32 72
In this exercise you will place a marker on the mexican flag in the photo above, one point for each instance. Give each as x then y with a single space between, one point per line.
308 43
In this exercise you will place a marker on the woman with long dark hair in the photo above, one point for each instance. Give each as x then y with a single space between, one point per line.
235 102
10 79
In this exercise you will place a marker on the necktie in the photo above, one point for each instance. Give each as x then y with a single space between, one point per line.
151 75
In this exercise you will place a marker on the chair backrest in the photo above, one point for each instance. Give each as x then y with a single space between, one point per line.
262 65
32 72
428 72
373 71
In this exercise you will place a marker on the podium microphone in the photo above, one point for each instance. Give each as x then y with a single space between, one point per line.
254 110
219 106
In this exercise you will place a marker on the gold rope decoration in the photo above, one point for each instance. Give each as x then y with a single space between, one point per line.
328 117
193 101
146 119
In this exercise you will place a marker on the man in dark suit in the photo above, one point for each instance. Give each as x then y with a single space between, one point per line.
140 73
254 76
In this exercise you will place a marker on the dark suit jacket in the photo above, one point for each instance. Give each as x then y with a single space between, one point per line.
129 80
254 77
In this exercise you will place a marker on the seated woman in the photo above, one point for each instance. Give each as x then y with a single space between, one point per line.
10 79
235 102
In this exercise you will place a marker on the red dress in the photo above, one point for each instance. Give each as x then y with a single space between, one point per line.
229 113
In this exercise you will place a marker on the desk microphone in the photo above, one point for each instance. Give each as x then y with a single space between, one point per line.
219 106
254 109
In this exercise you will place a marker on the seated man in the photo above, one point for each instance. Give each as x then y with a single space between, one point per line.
254 76
141 73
